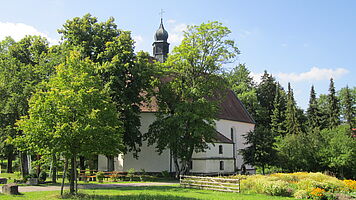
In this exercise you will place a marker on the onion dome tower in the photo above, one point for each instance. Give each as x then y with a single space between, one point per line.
160 45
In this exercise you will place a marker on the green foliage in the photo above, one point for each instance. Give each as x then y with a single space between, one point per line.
125 74
131 173
347 98
260 150
241 82
190 91
292 122
313 112
42 176
100 175
333 107
278 117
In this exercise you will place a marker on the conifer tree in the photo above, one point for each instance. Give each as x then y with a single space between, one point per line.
292 123
333 107
313 111
349 105
278 116
266 92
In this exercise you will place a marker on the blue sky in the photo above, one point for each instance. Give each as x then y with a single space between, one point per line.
301 41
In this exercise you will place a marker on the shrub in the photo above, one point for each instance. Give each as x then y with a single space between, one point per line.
100 176
317 193
301 194
277 188
42 176
115 176
131 173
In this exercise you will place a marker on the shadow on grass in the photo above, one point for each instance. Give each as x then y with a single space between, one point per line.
130 197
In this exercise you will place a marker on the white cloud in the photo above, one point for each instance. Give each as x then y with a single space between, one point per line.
314 73
19 30
175 31
256 77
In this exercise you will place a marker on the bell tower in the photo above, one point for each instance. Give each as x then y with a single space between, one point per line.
160 45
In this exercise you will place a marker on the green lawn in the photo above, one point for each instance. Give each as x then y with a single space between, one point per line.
173 192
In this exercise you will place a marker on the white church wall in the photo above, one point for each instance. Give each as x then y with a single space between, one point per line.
148 159
240 129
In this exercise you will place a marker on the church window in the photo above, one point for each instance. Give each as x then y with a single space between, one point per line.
220 149
221 165
232 134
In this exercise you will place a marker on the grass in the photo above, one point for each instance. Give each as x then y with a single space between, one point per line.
172 192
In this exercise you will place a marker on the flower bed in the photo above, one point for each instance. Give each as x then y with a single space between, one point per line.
301 185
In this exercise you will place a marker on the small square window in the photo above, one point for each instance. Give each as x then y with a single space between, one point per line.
220 149
221 165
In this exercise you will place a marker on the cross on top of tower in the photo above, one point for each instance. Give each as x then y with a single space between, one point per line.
161 13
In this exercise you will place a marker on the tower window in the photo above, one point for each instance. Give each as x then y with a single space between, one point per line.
220 149
221 165
191 165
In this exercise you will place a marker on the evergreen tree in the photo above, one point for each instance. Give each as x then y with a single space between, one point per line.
278 116
323 109
333 107
292 123
313 111
244 87
266 92
347 98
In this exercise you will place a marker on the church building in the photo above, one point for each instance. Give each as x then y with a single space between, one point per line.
222 157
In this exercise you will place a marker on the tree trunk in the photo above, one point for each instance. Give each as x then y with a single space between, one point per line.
54 168
24 164
64 175
10 158
72 176
81 162
38 168
176 165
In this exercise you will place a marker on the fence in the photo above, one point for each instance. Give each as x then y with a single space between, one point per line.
210 183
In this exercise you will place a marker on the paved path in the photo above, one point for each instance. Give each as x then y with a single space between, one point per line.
89 186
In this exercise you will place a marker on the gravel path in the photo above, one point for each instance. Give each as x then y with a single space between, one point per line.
89 186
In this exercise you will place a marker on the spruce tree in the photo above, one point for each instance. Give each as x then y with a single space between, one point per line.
333 107
292 123
349 115
266 92
313 111
278 116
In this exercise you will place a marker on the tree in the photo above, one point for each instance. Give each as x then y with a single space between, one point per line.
347 98
333 106
72 114
241 82
266 92
323 108
292 122
278 117
260 151
19 75
190 93
313 112
123 72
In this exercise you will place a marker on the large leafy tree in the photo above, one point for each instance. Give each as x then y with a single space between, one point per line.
189 95
72 114
19 75
124 73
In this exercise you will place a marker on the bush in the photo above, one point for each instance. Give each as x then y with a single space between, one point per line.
100 176
301 194
131 173
42 176
277 188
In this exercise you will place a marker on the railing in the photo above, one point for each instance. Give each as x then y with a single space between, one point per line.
210 183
